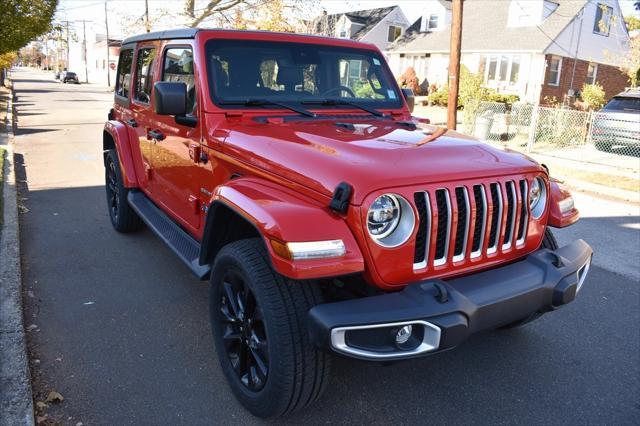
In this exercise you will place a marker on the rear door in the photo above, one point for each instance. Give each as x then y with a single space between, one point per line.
122 107
141 109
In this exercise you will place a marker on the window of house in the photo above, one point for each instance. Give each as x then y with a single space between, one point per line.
144 74
123 79
433 22
493 66
592 71
602 24
515 70
178 67
394 33
503 69
555 65
343 34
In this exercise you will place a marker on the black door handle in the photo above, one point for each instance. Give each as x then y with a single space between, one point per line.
132 122
155 134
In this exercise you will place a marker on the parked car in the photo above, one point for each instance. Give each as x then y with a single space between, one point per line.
618 122
288 171
69 77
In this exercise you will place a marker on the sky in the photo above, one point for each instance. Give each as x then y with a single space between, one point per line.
93 10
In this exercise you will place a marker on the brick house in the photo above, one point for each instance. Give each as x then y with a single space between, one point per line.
522 47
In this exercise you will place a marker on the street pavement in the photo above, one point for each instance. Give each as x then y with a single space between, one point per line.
122 329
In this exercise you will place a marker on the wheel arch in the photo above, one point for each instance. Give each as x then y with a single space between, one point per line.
115 136
257 208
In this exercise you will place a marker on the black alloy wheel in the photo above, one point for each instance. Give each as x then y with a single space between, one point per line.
113 198
243 331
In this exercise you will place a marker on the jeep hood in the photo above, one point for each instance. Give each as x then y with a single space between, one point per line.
369 155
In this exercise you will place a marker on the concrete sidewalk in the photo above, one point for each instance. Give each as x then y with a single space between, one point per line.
16 403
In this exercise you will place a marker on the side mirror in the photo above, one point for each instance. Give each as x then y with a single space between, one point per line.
170 98
408 96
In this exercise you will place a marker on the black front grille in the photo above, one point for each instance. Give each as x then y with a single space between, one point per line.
522 223
421 238
462 221
477 224
495 214
511 208
460 202
443 218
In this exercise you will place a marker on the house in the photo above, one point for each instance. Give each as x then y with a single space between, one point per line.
536 49
381 26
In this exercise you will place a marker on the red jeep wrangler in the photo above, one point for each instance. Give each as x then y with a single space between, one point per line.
288 171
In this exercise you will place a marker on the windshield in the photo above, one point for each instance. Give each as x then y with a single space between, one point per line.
243 70
623 104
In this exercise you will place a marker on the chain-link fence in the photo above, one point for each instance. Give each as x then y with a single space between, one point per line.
608 138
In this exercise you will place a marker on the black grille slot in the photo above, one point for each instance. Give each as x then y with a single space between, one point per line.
477 224
421 238
522 224
462 221
495 200
511 206
443 219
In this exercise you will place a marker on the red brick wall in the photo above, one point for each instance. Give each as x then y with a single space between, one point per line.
611 78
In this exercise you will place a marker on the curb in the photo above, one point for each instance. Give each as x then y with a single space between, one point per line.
16 402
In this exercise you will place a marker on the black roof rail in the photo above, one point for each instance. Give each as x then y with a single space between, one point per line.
163 35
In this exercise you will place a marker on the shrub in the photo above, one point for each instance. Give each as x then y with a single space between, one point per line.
593 96
439 96
409 80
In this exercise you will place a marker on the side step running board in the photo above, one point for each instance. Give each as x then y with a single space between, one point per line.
187 249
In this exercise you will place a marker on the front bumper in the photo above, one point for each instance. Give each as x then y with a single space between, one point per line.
442 314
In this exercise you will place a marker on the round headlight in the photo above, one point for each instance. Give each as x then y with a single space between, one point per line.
390 220
383 216
537 197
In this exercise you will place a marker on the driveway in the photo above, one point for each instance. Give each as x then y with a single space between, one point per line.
122 329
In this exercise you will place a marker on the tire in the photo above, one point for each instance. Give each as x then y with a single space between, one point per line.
548 242
274 315
123 217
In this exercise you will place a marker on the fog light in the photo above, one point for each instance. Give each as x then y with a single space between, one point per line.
403 334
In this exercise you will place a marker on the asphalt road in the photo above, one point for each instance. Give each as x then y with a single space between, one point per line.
123 333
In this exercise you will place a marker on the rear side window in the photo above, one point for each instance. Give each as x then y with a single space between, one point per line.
123 79
623 104
144 74
178 67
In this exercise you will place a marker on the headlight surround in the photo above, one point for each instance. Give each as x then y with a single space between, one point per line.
537 197
390 220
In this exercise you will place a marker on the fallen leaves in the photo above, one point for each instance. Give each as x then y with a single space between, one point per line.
54 397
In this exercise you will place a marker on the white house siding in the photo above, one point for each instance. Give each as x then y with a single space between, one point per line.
379 34
593 47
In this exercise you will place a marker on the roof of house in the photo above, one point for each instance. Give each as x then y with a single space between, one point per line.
484 27
368 18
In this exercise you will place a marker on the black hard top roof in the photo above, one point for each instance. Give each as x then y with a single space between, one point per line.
163 35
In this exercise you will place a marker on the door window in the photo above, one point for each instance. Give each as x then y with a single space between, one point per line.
178 67
144 74
123 79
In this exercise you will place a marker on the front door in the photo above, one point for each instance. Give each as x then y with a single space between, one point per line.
178 172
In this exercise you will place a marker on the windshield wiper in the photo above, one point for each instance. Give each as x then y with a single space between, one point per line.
334 102
262 102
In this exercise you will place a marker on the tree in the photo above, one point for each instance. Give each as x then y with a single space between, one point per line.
593 96
632 23
213 7
23 20
631 62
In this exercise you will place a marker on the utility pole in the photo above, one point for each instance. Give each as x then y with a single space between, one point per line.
146 16
84 47
454 63
106 24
